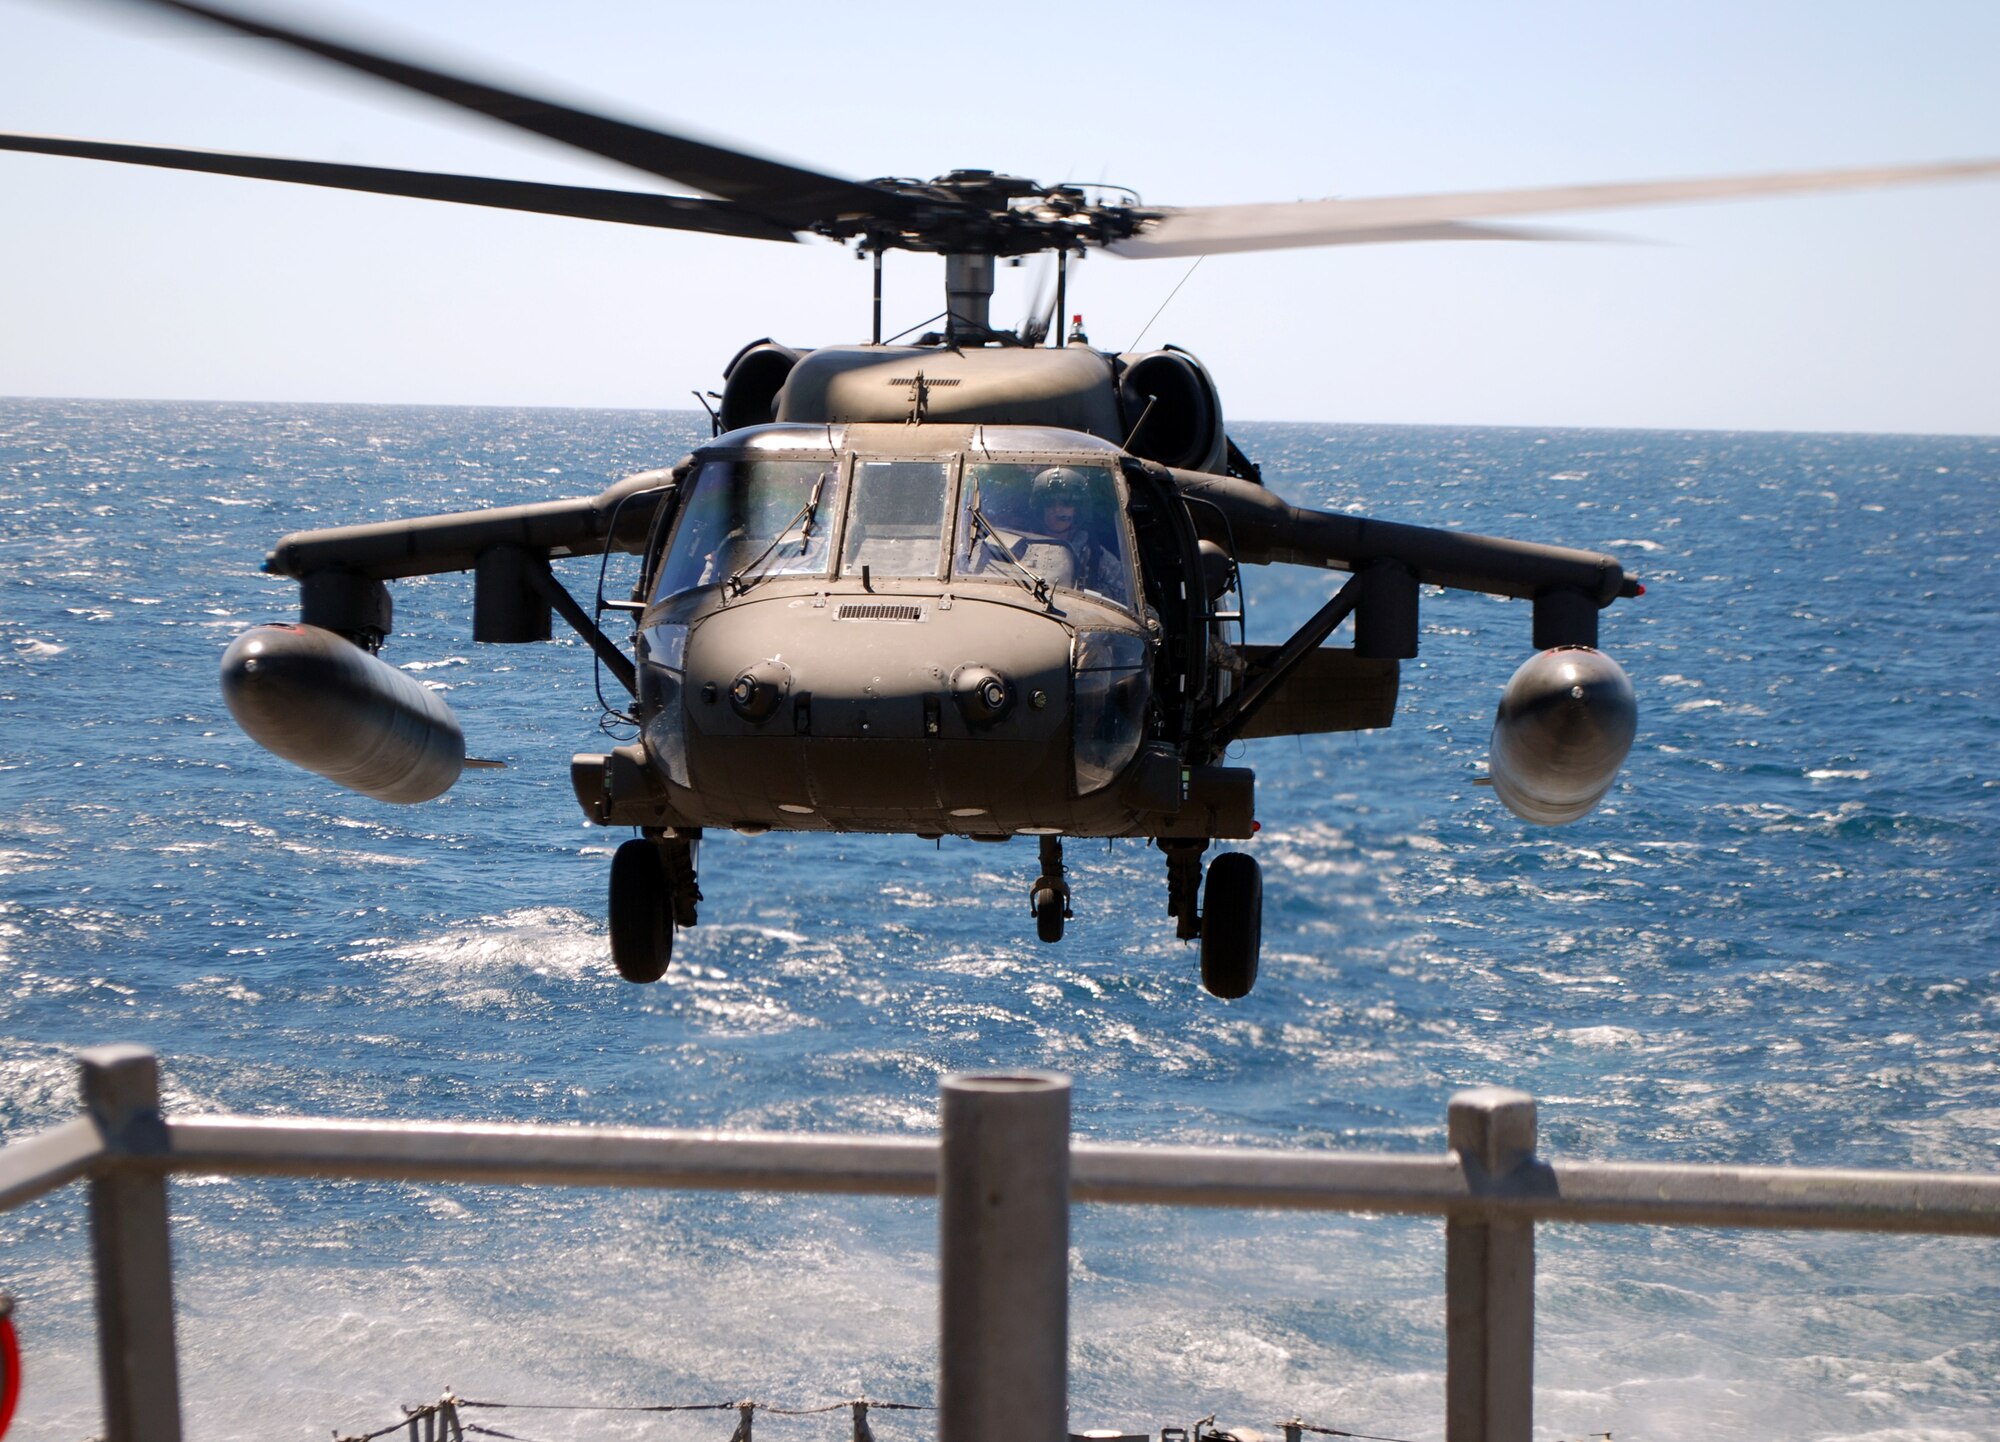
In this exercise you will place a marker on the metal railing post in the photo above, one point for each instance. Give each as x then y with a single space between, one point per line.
1489 1268
129 1244
1003 1259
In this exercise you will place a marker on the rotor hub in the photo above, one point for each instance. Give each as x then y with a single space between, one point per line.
985 212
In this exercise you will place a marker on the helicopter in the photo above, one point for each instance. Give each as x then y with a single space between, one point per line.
985 584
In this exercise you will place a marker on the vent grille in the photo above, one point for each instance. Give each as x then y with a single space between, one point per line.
878 611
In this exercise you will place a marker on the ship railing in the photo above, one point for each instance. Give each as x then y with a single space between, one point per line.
1005 1172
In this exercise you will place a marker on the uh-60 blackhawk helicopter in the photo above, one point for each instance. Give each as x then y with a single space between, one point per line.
981 585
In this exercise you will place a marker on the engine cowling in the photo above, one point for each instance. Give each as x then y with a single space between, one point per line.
1173 414
751 382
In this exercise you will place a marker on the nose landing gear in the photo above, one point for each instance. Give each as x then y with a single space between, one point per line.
1048 898
653 892
1230 921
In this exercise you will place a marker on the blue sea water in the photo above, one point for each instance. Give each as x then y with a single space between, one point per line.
1774 943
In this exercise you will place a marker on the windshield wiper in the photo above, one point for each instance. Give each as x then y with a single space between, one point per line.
736 585
1025 574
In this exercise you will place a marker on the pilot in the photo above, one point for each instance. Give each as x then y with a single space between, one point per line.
730 537
1070 554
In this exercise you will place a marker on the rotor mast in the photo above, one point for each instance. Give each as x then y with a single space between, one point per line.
968 293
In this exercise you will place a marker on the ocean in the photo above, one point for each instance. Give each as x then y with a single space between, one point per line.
1775 942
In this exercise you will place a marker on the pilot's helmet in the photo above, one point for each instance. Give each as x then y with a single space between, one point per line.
1060 484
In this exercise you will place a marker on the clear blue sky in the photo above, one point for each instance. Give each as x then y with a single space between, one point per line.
1872 311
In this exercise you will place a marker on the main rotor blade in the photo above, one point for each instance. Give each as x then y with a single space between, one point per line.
625 207
1219 229
790 196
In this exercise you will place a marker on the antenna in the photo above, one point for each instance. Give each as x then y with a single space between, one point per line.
1167 302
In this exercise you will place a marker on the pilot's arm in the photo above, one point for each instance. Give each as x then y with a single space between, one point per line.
722 560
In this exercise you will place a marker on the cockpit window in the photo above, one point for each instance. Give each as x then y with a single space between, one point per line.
895 526
745 520
1060 523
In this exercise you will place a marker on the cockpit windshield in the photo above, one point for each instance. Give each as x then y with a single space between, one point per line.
1061 524
896 527
745 520
1046 527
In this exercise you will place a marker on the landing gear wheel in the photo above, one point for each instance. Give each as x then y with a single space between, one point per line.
1049 911
642 923
1232 925
1048 898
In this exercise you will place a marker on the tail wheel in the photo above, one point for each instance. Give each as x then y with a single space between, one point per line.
1232 925
642 923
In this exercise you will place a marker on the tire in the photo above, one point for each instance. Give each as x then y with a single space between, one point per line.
642 927
1232 925
1048 905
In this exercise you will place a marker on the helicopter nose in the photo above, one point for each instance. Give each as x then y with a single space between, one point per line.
957 717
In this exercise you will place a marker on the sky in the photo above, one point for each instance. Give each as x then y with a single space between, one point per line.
1872 311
